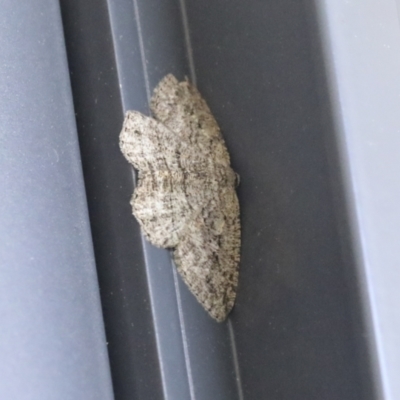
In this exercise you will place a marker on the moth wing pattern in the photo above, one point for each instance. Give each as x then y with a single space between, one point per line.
142 141
211 275
185 198
158 201
180 107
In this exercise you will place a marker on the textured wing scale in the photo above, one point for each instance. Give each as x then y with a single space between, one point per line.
185 198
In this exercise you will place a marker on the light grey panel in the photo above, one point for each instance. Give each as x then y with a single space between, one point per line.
362 45
52 341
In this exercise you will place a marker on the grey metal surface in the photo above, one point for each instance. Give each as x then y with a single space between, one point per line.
116 236
128 33
300 327
298 318
195 353
52 341
362 49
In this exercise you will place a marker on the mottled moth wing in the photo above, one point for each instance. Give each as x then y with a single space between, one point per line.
180 107
186 196
159 202
208 261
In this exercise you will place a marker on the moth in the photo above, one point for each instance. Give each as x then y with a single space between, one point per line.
185 199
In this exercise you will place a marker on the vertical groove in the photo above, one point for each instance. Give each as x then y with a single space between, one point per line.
147 85
235 360
117 64
142 52
156 333
189 52
184 337
188 43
